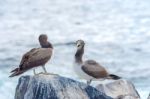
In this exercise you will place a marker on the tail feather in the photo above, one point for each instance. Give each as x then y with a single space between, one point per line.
17 72
14 70
115 77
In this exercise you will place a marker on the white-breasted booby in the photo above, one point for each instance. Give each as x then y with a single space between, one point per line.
35 57
89 69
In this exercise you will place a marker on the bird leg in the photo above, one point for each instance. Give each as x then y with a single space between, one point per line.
44 68
47 72
34 72
89 81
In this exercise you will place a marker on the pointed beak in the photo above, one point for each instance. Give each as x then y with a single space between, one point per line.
78 45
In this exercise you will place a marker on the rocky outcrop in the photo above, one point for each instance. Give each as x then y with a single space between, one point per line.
119 89
44 86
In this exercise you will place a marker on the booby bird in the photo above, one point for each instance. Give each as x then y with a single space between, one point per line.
89 69
35 57
43 41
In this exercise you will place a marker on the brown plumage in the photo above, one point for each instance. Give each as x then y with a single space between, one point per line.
43 41
89 69
35 57
94 69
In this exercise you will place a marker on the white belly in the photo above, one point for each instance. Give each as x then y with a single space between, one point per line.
81 73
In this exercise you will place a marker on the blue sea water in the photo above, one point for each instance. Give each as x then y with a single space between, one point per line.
116 32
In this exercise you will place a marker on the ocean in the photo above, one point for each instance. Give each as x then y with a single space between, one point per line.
116 33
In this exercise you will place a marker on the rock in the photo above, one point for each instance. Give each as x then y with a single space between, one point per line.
44 86
119 89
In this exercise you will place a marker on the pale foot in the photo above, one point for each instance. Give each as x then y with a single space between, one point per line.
48 74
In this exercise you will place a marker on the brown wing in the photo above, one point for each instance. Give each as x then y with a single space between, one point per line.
93 69
35 57
26 56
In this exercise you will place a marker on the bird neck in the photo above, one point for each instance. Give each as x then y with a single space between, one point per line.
46 45
78 55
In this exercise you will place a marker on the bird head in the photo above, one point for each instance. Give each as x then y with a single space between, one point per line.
43 38
80 44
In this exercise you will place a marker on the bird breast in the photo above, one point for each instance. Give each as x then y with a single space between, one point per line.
81 74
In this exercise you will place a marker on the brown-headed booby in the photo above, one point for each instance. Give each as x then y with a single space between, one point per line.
89 69
35 57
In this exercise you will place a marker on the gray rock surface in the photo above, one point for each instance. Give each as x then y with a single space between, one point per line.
44 86
119 89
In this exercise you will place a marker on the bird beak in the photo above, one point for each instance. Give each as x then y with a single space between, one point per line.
78 45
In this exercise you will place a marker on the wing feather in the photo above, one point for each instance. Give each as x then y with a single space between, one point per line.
36 57
94 69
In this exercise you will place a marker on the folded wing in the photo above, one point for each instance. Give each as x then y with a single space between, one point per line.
35 57
93 69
